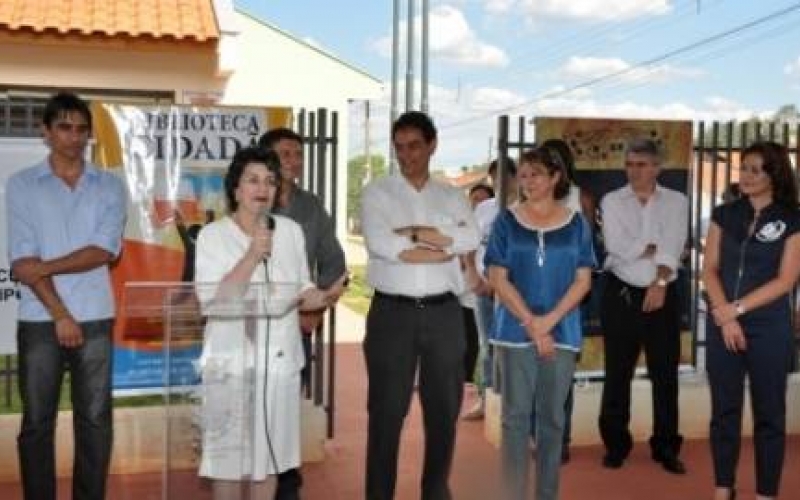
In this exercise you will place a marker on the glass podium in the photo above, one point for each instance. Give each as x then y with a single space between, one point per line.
210 427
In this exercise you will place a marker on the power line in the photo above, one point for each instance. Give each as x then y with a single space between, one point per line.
628 70
588 38
752 39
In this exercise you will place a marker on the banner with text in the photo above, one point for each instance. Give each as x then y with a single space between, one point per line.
17 153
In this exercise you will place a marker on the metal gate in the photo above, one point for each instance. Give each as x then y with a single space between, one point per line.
320 132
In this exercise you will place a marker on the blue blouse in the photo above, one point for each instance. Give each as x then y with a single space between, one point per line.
542 264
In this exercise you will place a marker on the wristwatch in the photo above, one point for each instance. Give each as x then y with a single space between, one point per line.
739 308
661 282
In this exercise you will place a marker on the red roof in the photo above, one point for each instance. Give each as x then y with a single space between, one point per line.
191 20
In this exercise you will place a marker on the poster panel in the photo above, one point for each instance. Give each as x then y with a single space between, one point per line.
172 160
17 153
598 146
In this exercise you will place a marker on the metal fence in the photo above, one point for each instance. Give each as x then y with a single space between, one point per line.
320 132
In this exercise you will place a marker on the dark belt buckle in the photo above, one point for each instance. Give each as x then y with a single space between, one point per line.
419 302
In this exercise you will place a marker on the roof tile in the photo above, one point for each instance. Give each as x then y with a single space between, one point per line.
178 19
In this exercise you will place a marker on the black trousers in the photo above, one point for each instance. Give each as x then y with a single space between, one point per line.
473 343
626 330
401 339
42 363
766 362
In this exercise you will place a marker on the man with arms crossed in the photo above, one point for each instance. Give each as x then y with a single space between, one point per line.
414 229
645 226
65 222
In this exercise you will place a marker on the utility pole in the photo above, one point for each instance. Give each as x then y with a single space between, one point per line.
411 49
424 68
395 76
367 158
410 57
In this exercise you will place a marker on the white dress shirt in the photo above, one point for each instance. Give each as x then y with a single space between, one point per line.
391 203
629 226
485 214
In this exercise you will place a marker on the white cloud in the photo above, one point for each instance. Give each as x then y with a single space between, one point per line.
712 108
792 68
593 10
583 69
487 99
451 40
499 6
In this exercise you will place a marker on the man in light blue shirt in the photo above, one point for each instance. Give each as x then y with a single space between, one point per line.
65 223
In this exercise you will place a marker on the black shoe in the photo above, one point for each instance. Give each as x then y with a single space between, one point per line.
289 483
612 461
671 463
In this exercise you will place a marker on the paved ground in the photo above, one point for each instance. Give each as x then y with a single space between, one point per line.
475 473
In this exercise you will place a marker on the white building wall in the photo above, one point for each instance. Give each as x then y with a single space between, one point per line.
274 68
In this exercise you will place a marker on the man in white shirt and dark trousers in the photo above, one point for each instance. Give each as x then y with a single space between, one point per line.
414 229
645 227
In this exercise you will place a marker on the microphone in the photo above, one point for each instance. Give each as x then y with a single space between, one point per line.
269 220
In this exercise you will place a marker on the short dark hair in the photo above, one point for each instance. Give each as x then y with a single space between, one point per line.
543 156
240 160
417 120
778 166
482 187
62 103
511 166
272 137
645 146
561 153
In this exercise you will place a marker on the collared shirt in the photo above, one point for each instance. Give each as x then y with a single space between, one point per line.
47 219
325 255
391 203
629 226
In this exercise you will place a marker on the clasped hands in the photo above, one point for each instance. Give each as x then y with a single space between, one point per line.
655 295
539 330
732 334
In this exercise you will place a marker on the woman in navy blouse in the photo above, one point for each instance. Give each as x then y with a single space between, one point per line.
539 260
751 264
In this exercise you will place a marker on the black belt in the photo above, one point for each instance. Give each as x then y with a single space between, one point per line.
427 300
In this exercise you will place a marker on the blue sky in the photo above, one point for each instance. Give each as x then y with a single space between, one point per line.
676 59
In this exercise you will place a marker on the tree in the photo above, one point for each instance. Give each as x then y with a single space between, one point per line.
357 177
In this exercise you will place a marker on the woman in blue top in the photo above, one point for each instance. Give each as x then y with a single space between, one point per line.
539 260
751 265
